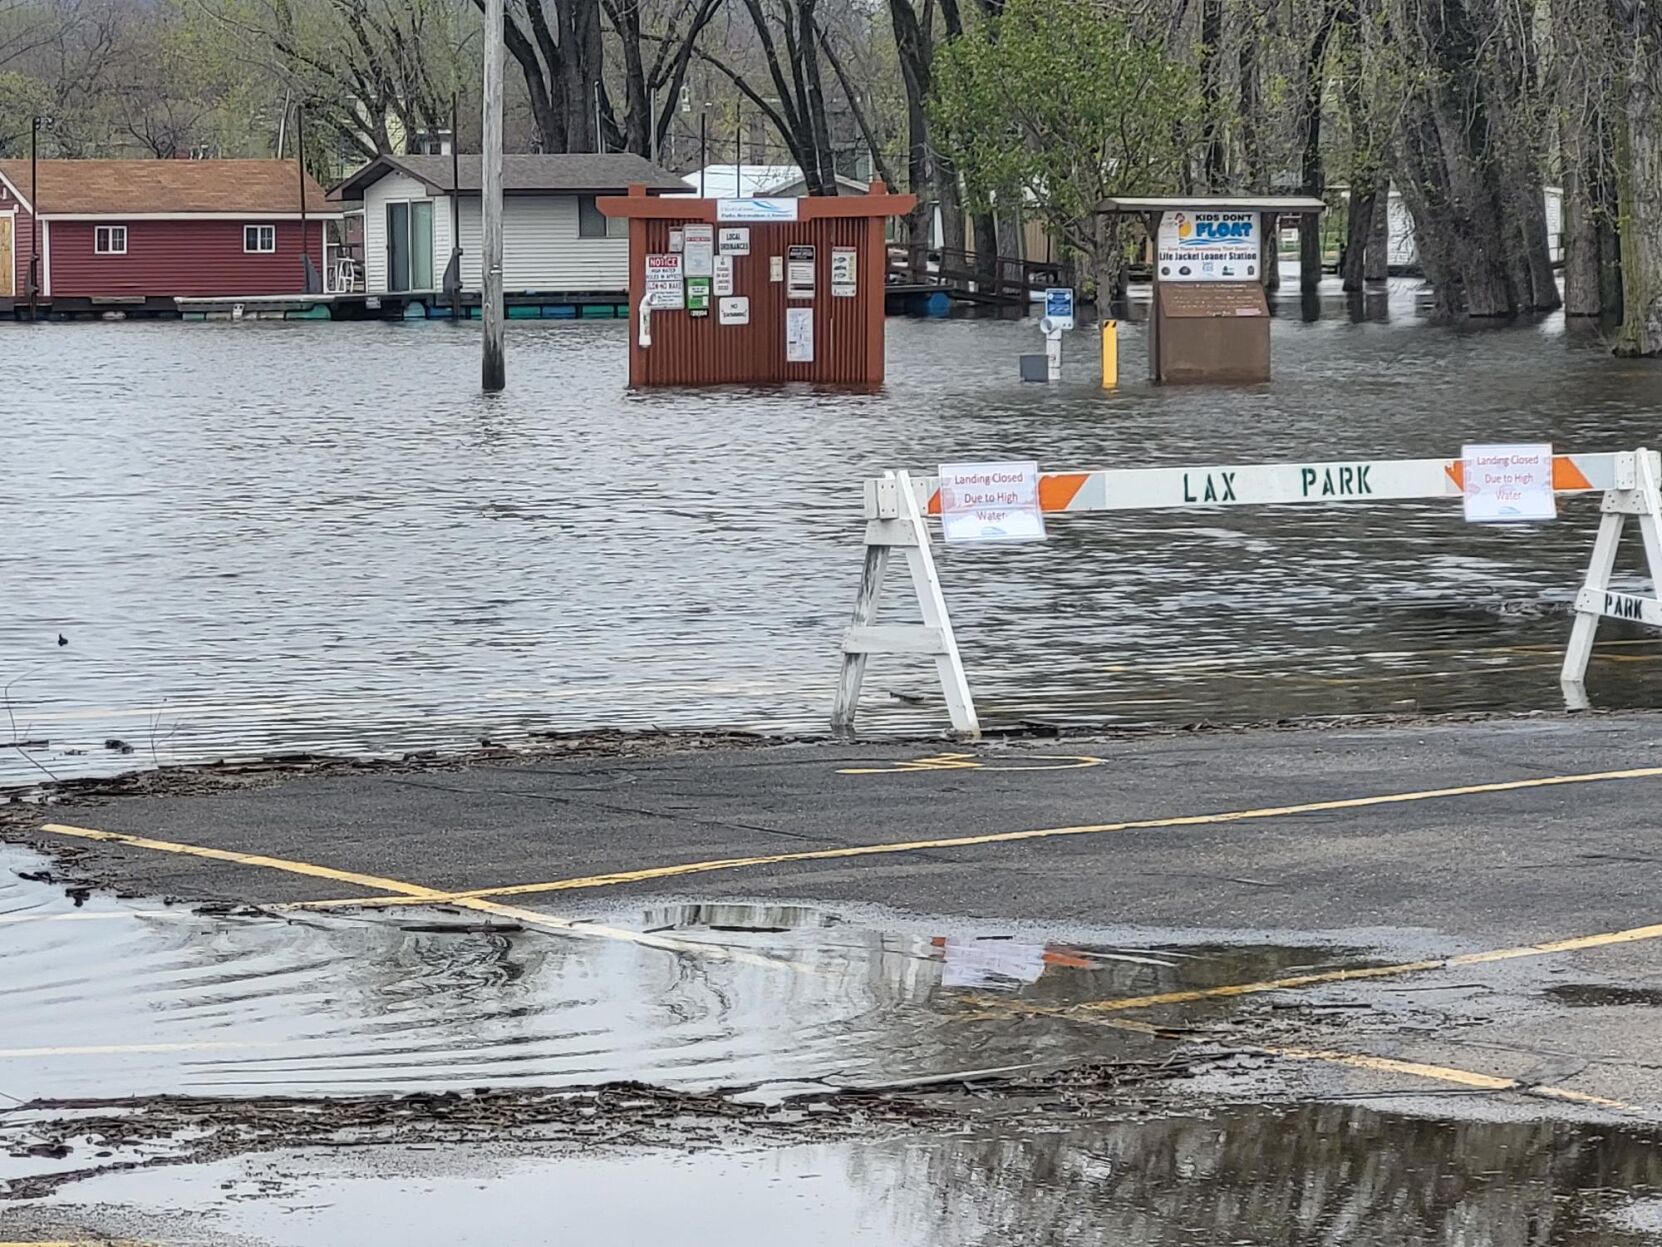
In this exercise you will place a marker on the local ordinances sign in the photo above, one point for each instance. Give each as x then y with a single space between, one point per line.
991 502
1508 484
1196 245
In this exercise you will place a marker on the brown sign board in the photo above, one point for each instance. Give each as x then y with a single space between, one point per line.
1210 332
1214 298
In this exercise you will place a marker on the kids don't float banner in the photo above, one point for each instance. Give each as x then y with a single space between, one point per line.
1208 246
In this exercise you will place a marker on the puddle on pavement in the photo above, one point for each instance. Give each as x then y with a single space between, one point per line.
1318 1174
114 999
1604 995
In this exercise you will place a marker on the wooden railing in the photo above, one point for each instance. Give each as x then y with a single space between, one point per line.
982 279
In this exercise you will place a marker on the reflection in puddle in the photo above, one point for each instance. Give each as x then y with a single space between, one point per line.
1322 1174
150 1002
1598 995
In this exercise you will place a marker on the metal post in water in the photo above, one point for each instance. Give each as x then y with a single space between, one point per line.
308 281
34 212
493 370
453 270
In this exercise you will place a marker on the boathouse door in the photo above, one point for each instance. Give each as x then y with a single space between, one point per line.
410 245
8 262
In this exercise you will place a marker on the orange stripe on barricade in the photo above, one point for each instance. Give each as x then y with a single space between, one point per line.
1565 475
934 507
1058 490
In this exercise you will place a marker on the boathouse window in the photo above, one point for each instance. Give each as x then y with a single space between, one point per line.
593 223
109 240
259 238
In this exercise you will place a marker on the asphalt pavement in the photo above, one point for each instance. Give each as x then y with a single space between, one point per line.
1477 832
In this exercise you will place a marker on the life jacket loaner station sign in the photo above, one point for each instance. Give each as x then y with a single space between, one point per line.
1199 245
990 502
1508 484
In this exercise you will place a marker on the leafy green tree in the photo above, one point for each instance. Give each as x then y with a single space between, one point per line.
1062 104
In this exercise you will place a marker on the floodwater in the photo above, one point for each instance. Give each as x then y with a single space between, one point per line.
265 537
108 1002
1301 1177
116 999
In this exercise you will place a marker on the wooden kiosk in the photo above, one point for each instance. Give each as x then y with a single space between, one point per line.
757 290
1211 321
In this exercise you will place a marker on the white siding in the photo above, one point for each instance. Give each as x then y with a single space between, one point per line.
541 251
392 187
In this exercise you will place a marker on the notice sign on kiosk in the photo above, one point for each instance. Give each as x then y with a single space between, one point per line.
991 502
1508 484
1198 245
799 271
663 281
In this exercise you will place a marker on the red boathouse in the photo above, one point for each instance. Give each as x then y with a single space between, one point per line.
136 234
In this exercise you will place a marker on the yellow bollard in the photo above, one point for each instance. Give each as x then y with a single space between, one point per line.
1110 355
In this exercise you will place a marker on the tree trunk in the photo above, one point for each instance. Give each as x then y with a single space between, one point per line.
1377 264
1269 225
1581 244
1211 35
1011 237
1639 182
986 246
1247 74
953 236
1358 235
914 50
1310 128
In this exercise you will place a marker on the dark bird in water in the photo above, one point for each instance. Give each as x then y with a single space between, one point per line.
62 639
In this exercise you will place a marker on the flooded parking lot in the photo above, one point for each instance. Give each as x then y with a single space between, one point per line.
1241 1175
277 537
1420 1015
121 999
226 1075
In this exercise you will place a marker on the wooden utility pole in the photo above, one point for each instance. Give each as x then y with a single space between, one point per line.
494 369
308 281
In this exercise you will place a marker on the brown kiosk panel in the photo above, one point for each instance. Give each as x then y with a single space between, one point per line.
1210 331
847 317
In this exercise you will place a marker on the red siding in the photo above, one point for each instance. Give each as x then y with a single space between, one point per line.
848 332
20 243
166 258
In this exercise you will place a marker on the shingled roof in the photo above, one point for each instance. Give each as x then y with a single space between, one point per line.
574 173
133 187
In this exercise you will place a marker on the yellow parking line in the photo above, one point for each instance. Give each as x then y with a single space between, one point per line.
967 762
683 869
1444 1073
1329 1056
1350 974
416 894
373 882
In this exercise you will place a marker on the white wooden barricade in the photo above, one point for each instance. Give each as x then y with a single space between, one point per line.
898 507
